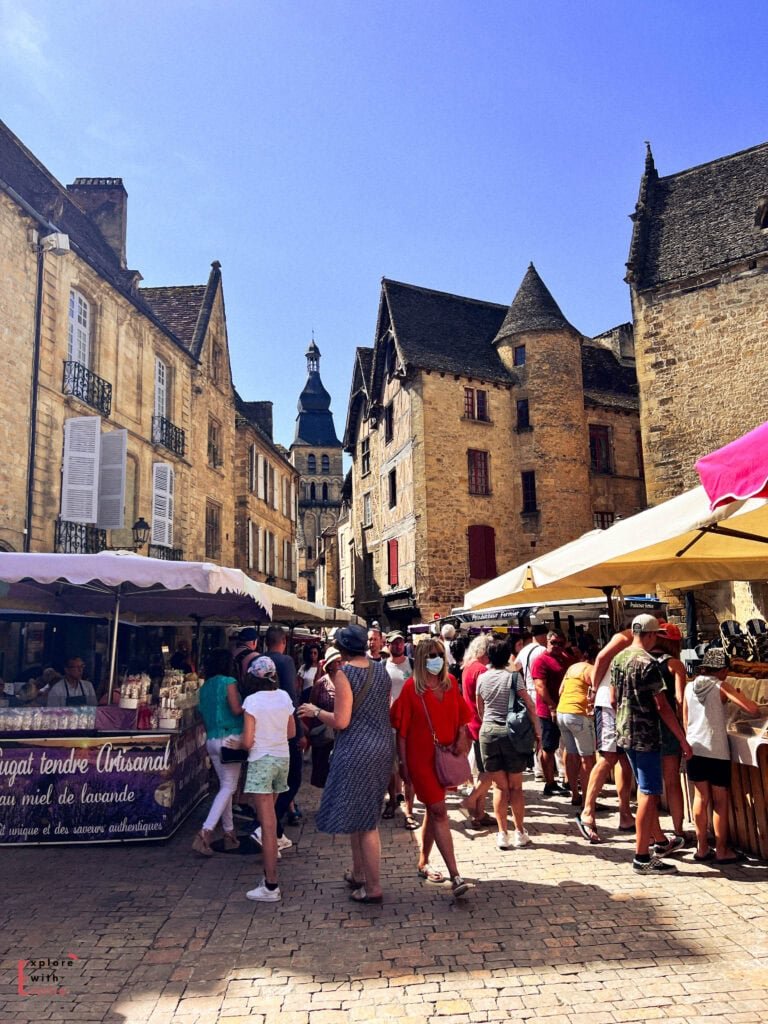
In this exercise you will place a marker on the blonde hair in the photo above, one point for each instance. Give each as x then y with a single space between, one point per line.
422 652
478 648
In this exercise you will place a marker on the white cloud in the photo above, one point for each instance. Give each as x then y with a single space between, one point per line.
25 46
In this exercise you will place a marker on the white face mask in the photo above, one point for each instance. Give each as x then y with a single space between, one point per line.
434 665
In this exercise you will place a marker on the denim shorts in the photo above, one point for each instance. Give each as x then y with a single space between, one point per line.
267 775
646 767
550 735
578 732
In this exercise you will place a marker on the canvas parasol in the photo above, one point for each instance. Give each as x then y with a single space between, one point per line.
737 471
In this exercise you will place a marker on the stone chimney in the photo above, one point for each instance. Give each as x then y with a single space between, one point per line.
261 412
106 203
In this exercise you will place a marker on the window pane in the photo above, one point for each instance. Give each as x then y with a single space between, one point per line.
520 355
529 491
469 403
479 481
600 454
482 405
523 421
392 488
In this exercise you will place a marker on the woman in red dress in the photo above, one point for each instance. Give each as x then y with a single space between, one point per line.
431 695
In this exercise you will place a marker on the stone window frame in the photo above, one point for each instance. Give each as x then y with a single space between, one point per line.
523 416
365 456
367 510
528 483
602 520
311 463
476 405
601 455
479 472
518 355
77 297
215 452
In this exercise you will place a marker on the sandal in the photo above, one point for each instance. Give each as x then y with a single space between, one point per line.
588 831
352 882
460 887
231 841
389 810
709 855
410 823
361 896
431 875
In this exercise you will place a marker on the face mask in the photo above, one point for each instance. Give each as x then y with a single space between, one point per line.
434 665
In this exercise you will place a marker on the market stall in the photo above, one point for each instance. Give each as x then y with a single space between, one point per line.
134 770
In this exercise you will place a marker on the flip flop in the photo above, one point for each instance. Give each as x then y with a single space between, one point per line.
356 897
588 831
739 858
627 828
431 875
410 823
709 855
352 882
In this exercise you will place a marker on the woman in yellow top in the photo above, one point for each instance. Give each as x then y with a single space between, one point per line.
574 719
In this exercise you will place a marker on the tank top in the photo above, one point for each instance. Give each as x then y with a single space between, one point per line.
573 700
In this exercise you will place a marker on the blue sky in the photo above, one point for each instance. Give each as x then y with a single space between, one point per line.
313 148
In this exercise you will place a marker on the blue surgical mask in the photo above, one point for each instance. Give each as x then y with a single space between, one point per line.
434 665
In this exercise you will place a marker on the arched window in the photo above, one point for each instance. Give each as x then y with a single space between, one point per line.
79 340
312 492
311 464
325 492
325 462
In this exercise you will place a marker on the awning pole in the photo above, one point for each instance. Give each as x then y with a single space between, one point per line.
113 644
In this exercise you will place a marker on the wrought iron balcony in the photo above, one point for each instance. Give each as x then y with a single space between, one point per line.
78 538
168 434
169 554
84 384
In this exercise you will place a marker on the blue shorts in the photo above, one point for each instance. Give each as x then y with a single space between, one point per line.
646 767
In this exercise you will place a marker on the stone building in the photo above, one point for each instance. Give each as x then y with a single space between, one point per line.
316 453
481 434
698 276
266 499
120 402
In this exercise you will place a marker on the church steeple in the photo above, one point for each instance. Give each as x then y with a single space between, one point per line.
314 424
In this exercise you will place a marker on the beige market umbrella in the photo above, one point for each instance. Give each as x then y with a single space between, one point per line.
679 544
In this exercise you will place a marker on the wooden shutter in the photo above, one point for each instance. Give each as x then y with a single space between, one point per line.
252 468
392 562
292 510
112 468
260 476
162 504
276 548
80 479
262 549
249 544
482 552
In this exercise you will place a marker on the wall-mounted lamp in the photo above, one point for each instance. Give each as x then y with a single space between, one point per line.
140 531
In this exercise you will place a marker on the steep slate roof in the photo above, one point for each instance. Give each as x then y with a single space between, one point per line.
178 306
606 380
24 173
358 393
439 331
533 309
699 219
246 411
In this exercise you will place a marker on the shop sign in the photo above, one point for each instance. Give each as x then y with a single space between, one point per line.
99 789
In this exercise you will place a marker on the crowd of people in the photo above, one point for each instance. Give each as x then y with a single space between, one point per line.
390 732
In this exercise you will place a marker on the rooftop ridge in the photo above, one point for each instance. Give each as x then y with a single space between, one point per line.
716 160
447 295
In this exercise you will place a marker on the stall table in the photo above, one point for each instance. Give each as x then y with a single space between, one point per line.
107 785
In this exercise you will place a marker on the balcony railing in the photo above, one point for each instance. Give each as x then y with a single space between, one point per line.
78 538
84 384
168 434
169 554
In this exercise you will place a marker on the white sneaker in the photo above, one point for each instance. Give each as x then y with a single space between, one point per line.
256 837
520 839
264 895
284 843
502 841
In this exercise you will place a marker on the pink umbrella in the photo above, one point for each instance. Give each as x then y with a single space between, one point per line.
737 471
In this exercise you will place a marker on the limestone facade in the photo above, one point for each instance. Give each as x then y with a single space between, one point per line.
470 457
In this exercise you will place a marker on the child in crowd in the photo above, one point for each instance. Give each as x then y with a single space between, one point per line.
268 725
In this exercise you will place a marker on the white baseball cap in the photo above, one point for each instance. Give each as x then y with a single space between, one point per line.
645 624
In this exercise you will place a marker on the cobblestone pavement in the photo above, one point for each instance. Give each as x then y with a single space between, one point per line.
559 931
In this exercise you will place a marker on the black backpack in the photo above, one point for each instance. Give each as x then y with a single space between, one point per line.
519 728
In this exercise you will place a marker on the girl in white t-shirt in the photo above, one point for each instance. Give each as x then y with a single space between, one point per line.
268 725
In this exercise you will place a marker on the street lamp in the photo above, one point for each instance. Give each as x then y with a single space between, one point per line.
140 531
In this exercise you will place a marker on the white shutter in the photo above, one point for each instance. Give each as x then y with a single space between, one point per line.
260 476
292 509
162 504
112 460
80 479
262 545
161 388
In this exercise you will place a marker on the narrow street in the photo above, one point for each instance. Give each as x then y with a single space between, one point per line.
560 930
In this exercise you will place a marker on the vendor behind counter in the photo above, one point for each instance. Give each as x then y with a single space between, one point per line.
72 691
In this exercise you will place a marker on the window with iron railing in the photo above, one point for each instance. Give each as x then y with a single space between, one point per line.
82 383
168 435
78 538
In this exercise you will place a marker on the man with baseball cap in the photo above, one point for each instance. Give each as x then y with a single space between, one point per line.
641 706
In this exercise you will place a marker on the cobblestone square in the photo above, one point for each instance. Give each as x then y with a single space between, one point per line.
558 931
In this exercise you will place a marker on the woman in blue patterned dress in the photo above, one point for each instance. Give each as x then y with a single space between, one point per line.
362 759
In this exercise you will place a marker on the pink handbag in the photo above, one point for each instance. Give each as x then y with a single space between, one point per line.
451 769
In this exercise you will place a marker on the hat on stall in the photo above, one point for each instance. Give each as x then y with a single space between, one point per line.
715 659
352 638
262 666
394 635
331 655
669 631
247 634
645 624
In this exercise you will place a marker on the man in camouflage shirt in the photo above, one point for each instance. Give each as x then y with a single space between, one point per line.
640 707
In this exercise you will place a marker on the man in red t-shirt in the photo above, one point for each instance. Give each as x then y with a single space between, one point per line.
548 671
475 663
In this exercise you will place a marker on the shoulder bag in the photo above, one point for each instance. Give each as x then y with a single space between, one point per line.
519 728
451 769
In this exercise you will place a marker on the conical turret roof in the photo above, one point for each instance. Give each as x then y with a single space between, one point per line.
532 309
314 424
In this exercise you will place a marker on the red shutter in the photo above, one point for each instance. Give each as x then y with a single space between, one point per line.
482 552
392 563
